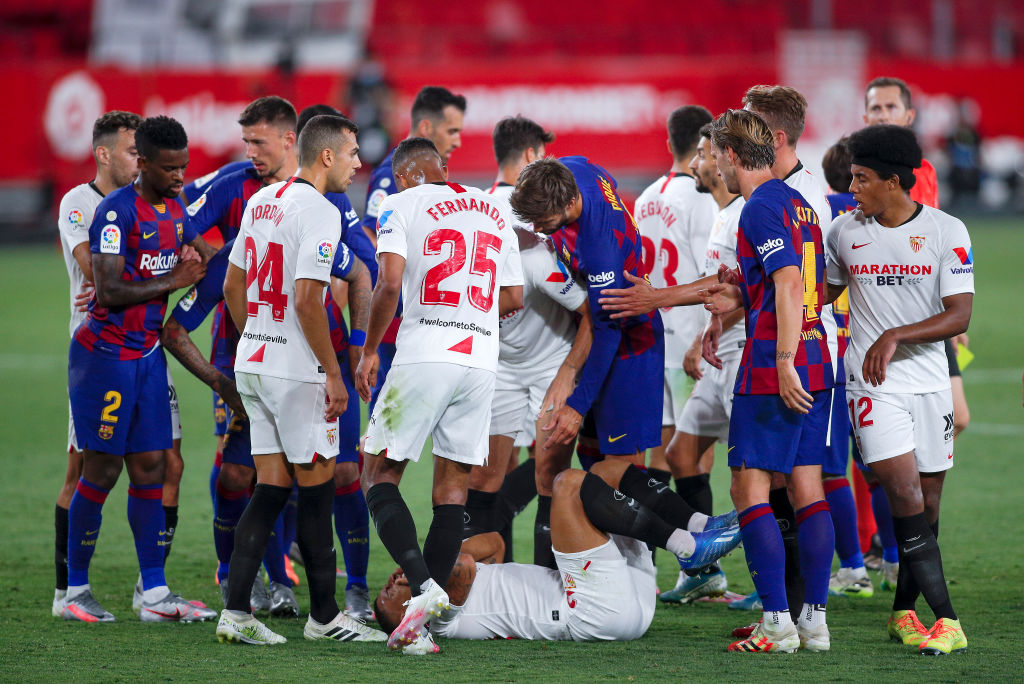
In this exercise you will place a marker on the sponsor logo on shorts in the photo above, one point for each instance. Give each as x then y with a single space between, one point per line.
325 252
110 239
948 429
332 435
601 279
617 438
771 247
106 431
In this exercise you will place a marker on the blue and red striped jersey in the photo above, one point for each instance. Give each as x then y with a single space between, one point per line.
778 228
221 206
342 266
598 247
205 296
150 239
196 188
841 203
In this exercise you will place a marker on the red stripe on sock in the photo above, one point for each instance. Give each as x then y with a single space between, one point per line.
753 513
218 459
587 450
344 490
156 493
231 494
808 511
92 492
872 486
832 485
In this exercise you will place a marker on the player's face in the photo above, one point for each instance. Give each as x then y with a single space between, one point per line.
446 133
392 598
726 169
124 158
885 106
346 162
703 167
267 147
165 173
870 192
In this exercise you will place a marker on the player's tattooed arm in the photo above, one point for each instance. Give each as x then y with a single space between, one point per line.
461 579
789 294
175 338
360 292
112 291
205 249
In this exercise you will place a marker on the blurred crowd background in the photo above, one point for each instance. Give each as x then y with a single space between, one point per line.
602 74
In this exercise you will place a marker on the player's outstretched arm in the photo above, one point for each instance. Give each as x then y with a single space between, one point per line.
383 305
789 294
643 298
112 291
951 322
175 338
312 317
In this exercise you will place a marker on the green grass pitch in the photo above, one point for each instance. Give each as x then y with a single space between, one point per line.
981 541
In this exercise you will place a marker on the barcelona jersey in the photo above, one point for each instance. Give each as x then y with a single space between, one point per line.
842 203
204 297
778 228
196 188
150 239
601 244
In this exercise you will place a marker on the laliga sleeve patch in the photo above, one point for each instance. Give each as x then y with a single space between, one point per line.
325 253
110 239
194 208
188 300
373 202
77 219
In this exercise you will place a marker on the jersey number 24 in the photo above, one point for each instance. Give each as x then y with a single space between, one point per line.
269 279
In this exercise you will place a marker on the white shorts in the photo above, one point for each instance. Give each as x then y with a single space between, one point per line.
72 440
611 590
517 402
288 416
678 387
887 425
707 411
451 403
175 413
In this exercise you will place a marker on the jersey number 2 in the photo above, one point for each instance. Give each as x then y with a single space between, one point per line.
269 278
431 292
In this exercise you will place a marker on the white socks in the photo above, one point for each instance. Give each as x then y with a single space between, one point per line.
681 543
697 522
812 615
75 591
154 594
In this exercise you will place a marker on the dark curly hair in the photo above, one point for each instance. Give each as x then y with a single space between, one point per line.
159 133
889 150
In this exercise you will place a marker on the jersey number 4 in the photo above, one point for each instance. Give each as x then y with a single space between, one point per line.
431 291
269 278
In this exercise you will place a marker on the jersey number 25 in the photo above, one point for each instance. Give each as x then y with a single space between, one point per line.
431 291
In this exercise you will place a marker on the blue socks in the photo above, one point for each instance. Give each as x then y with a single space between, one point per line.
816 539
766 556
228 507
146 518
84 517
840 500
352 523
883 519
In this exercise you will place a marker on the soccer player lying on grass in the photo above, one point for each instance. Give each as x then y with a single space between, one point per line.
605 585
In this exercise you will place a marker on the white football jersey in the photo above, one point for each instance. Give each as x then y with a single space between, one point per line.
289 231
542 331
898 276
459 249
504 191
77 208
721 249
815 191
677 219
509 600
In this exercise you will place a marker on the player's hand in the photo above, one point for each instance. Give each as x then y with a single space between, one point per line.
228 392
691 361
792 392
958 340
638 300
84 296
722 298
189 253
366 373
709 342
728 276
877 358
564 426
354 353
186 273
337 396
561 387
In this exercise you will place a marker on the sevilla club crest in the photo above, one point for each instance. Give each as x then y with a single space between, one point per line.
916 243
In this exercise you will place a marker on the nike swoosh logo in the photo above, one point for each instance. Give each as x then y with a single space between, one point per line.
913 548
146 236
615 439
856 246
170 616
89 533
730 449
914 539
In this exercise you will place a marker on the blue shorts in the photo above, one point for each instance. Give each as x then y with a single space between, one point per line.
238 445
627 410
119 407
386 353
348 422
837 453
221 412
766 435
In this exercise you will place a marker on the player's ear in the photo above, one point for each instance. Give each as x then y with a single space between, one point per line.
289 139
911 113
102 154
781 139
444 170
425 128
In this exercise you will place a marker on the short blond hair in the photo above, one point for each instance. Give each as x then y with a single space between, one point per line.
783 108
746 134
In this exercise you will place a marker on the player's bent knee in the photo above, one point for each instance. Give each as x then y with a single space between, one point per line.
235 477
610 471
567 483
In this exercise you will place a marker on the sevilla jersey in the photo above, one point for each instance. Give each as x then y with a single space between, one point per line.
815 192
289 232
541 333
721 249
778 228
459 249
504 191
597 247
898 276
77 209
150 239
674 220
